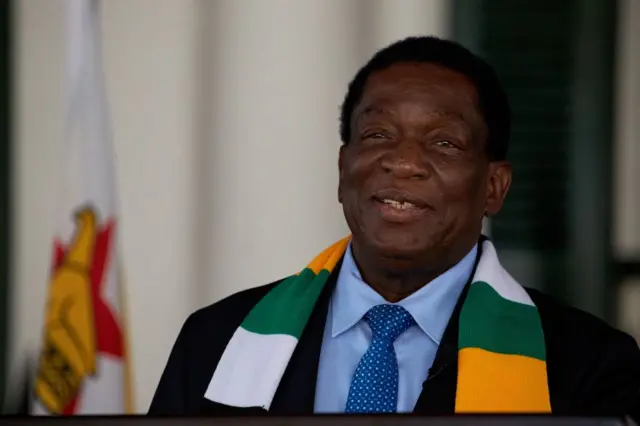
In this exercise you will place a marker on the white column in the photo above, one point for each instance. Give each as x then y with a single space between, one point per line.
627 162
151 61
278 71
627 141
396 19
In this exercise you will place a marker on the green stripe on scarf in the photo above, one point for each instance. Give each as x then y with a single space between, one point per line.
509 327
286 309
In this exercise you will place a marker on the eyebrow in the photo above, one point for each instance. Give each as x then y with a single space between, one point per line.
452 114
373 109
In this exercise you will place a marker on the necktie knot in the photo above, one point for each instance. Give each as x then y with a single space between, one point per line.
387 322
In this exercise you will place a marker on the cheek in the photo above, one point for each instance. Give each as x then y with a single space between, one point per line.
465 190
354 187
355 173
350 187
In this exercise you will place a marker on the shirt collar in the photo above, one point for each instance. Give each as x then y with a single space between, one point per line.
431 306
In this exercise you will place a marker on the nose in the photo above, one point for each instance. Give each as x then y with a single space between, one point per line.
405 161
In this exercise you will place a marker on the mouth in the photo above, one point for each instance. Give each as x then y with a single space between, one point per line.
399 206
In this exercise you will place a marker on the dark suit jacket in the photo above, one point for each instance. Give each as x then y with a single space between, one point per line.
592 368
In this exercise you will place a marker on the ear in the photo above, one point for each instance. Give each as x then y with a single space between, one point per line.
340 172
497 186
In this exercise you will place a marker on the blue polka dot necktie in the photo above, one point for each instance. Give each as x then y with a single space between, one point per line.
374 387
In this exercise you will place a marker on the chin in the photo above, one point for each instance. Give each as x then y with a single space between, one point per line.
400 244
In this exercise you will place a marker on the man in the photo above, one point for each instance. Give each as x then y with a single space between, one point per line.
412 312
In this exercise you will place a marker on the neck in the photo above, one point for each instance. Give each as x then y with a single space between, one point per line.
394 278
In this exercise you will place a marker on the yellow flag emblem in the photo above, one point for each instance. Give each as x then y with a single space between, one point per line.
78 323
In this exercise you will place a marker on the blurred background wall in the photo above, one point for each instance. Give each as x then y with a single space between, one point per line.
226 134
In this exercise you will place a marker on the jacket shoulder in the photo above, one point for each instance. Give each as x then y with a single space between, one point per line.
229 311
577 325
198 349
592 366
582 325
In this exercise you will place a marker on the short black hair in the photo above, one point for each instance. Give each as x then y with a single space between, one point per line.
493 102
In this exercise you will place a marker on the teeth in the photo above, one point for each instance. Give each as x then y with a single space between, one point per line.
399 205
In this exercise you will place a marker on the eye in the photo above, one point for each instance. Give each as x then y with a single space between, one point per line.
375 135
445 144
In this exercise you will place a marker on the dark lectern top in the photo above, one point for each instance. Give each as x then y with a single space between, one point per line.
318 420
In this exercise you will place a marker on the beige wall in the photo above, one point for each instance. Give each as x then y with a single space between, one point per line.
627 159
225 127
627 153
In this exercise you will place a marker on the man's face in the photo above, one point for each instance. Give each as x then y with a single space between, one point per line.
415 176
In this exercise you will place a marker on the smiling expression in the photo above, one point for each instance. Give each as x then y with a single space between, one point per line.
415 175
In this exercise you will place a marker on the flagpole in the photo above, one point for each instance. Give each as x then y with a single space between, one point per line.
129 391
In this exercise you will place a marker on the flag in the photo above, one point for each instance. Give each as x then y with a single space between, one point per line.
82 366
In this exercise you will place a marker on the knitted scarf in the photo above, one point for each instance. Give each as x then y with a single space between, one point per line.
501 350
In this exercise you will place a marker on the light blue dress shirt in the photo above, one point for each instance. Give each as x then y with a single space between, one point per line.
347 336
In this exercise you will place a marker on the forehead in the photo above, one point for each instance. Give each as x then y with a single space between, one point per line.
431 87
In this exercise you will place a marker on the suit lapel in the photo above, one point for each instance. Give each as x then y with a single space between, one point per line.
438 396
297 390
439 390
